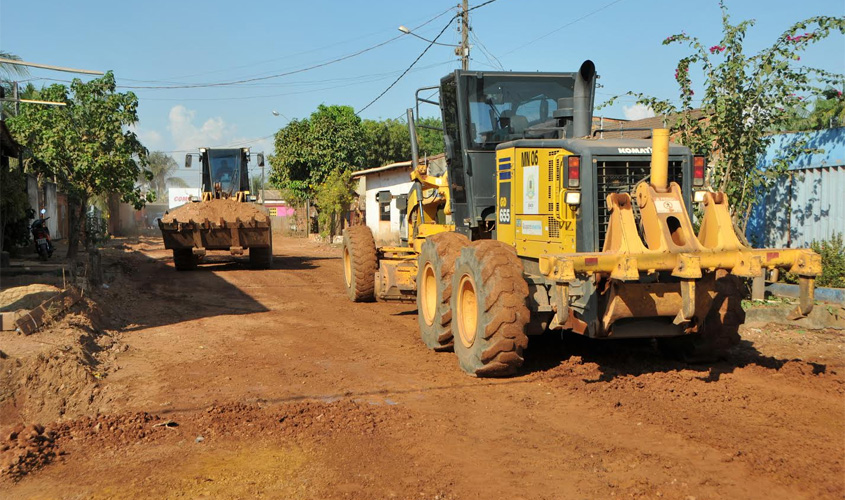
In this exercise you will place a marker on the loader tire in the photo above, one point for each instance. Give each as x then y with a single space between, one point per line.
489 296
359 263
720 330
436 264
184 259
261 258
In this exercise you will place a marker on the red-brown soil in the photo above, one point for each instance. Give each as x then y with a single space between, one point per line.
214 210
232 383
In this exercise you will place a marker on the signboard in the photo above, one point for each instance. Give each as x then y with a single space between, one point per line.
179 196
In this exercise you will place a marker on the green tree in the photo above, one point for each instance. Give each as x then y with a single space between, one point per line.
9 70
389 141
308 151
86 145
828 111
162 168
332 199
745 98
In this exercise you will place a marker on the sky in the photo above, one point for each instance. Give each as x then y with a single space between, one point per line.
171 43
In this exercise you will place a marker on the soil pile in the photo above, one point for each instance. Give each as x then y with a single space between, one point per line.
24 449
24 298
215 210
56 372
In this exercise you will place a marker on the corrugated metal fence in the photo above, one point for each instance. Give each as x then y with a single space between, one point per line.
809 203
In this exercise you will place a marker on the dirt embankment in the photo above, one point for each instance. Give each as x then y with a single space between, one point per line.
214 210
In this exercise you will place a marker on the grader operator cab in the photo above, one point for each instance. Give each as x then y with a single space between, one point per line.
225 218
538 225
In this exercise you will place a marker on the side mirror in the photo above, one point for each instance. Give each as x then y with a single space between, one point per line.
260 159
188 159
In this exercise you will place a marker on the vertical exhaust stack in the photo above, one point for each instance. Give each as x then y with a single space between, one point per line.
583 96
660 159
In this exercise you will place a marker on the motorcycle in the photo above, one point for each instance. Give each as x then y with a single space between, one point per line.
41 235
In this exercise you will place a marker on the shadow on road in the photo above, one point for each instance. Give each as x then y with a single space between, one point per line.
149 292
634 357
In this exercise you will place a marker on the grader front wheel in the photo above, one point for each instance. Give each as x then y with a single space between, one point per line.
489 307
436 265
359 263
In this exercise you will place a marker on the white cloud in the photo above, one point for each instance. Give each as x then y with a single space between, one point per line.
186 135
637 112
151 139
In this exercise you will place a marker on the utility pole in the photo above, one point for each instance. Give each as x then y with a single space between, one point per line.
16 98
464 48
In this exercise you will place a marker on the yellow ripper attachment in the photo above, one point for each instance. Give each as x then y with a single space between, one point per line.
671 245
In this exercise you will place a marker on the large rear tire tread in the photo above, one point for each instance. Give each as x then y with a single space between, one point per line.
502 292
184 259
440 250
358 241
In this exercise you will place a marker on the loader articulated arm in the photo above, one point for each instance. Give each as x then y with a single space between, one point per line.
672 246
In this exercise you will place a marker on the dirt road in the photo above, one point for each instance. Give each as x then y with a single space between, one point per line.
232 383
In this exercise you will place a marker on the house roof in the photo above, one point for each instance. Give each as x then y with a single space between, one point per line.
398 165
828 146
645 123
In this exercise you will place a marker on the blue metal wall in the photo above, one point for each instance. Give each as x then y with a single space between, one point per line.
807 204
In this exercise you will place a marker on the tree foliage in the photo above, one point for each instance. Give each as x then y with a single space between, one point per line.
745 98
86 145
389 141
307 151
162 174
828 111
332 199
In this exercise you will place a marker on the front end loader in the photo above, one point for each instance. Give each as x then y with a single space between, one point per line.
538 225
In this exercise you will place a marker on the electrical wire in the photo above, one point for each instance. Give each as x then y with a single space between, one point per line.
277 75
409 67
364 79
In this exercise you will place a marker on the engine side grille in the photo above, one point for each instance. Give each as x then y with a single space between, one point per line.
621 176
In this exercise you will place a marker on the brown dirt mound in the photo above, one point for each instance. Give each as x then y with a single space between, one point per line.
215 210
24 449
56 372
26 297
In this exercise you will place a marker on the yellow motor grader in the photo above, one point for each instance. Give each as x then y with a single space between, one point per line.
538 225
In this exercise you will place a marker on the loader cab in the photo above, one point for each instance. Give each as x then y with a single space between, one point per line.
228 167
481 110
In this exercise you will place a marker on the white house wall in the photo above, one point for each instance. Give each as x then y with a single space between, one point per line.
398 183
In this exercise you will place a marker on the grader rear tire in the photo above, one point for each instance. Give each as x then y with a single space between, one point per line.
359 263
489 296
184 259
720 330
436 264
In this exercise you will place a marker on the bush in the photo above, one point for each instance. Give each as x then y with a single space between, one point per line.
833 261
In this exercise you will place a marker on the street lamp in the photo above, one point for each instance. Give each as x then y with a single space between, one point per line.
407 31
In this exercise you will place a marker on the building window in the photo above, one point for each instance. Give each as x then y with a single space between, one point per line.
384 210
384 198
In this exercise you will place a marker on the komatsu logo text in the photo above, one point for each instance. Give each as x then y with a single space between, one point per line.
635 151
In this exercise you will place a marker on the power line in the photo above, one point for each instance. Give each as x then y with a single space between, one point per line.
363 79
278 75
409 67
276 58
